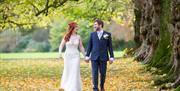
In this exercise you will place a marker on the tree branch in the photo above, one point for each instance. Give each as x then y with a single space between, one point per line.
36 8
15 23
47 3
54 5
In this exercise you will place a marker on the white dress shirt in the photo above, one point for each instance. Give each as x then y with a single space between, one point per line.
100 33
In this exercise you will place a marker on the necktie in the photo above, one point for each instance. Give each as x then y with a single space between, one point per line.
100 34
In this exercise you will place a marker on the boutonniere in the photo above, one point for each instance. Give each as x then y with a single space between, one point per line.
105 36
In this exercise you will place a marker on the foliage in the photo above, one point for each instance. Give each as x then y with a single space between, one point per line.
7 44
84 31
25 13
34 46
59 28
18 41
57 31
22 43
178 88
121 44
31 15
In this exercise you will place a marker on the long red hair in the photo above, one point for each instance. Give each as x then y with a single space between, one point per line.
71 27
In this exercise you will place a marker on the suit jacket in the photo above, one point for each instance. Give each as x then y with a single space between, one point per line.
100 47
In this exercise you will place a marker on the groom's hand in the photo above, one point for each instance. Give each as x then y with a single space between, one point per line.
87 59
111 60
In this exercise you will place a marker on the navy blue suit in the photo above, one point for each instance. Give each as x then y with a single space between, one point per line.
98 51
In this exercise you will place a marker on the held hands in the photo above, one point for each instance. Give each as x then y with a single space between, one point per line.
110 61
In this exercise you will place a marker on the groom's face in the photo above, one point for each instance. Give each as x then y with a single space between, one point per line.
96 26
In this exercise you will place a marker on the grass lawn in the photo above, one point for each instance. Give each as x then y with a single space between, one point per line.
44 75
41 55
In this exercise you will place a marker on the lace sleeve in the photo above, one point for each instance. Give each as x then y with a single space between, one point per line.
61 46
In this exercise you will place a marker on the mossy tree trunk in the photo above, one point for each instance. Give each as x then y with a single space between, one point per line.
149 26
175 40
158 26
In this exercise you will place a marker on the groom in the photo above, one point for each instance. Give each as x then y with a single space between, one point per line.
100 43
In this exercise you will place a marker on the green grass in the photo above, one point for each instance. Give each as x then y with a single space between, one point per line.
41 55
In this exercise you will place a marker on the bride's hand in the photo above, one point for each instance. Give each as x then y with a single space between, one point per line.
60 55
110 62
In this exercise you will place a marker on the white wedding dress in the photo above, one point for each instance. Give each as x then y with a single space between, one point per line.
71 80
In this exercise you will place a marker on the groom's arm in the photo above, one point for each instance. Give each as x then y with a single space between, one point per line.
89 47
110 48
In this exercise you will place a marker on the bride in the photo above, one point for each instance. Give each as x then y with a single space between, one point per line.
71 80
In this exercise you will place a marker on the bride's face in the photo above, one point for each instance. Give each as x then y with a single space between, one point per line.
76 29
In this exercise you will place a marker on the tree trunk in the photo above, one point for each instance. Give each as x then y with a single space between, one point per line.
148 28
157 25
175 30
137 12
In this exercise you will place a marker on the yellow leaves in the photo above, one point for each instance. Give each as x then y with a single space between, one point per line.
128 75
33 84
44 75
